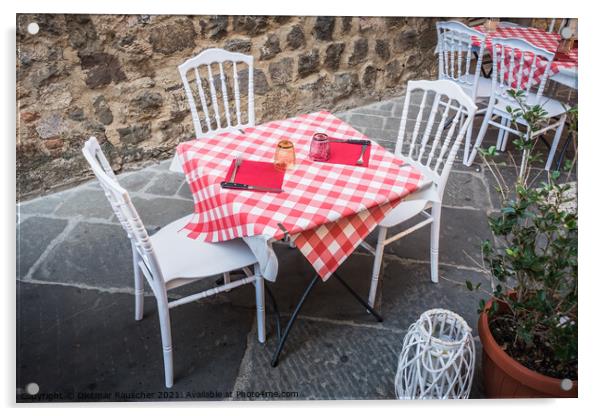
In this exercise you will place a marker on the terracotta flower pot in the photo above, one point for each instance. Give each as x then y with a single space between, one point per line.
505 377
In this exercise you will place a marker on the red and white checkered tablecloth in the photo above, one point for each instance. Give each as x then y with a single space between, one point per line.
539 38
327 208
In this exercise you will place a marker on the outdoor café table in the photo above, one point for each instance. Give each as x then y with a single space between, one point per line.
564 67
327 209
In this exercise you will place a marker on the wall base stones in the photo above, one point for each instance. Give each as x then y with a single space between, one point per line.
115 77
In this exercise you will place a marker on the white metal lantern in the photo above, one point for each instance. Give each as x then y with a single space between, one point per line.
437 359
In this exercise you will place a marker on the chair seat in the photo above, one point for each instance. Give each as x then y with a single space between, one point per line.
181 257
483 88
553 107
416 202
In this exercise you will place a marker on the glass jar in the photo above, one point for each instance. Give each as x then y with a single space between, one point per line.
320 148
284 158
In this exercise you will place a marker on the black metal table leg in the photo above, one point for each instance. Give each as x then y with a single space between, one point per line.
292 319
568 140
359 298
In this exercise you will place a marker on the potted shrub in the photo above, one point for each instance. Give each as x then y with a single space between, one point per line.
528 326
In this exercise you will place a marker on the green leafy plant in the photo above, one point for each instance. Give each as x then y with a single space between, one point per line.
532 262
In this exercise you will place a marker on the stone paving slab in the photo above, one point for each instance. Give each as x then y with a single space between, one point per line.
322 360
89 203
44 205
33 237
86 346
96 255
328 361
466 190
161 211
166 184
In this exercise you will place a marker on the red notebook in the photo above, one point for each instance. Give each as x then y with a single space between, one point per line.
255 173
348 154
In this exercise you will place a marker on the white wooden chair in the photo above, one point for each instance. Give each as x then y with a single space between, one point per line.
503 78
225 116
169 259
455 47
422 148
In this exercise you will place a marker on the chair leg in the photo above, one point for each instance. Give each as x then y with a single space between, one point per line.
138 286
165 324
260 303
506 135
435 226
482 131
555 142
500 134
468 143
227 279
378 259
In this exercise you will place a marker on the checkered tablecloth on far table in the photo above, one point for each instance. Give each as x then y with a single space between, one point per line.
539 38
327 208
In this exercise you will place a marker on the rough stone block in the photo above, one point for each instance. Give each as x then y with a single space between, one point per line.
251 25
135 133
170 38
102 110
102 69
281 72
369 77
309 63
296 37
360 51
323 28
270 48
238 45
333 56
382 49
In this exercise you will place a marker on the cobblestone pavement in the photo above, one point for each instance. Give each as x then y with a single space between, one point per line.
77 338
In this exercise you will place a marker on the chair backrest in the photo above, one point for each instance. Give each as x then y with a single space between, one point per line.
455 48
214 117
438 108
122 207
518 64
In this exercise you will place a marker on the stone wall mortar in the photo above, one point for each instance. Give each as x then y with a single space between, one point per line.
115 77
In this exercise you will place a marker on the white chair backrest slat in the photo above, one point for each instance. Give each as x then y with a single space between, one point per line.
225 93
448 137
505 49
123 208
236 94
437 138
218 117
201 90
214 102
418 120
445 104
455 48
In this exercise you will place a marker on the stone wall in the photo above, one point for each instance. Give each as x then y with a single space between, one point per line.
115 77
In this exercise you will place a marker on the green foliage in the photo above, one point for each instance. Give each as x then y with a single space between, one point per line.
533 265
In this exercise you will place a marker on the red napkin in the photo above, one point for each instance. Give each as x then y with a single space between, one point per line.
347 154
255 173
